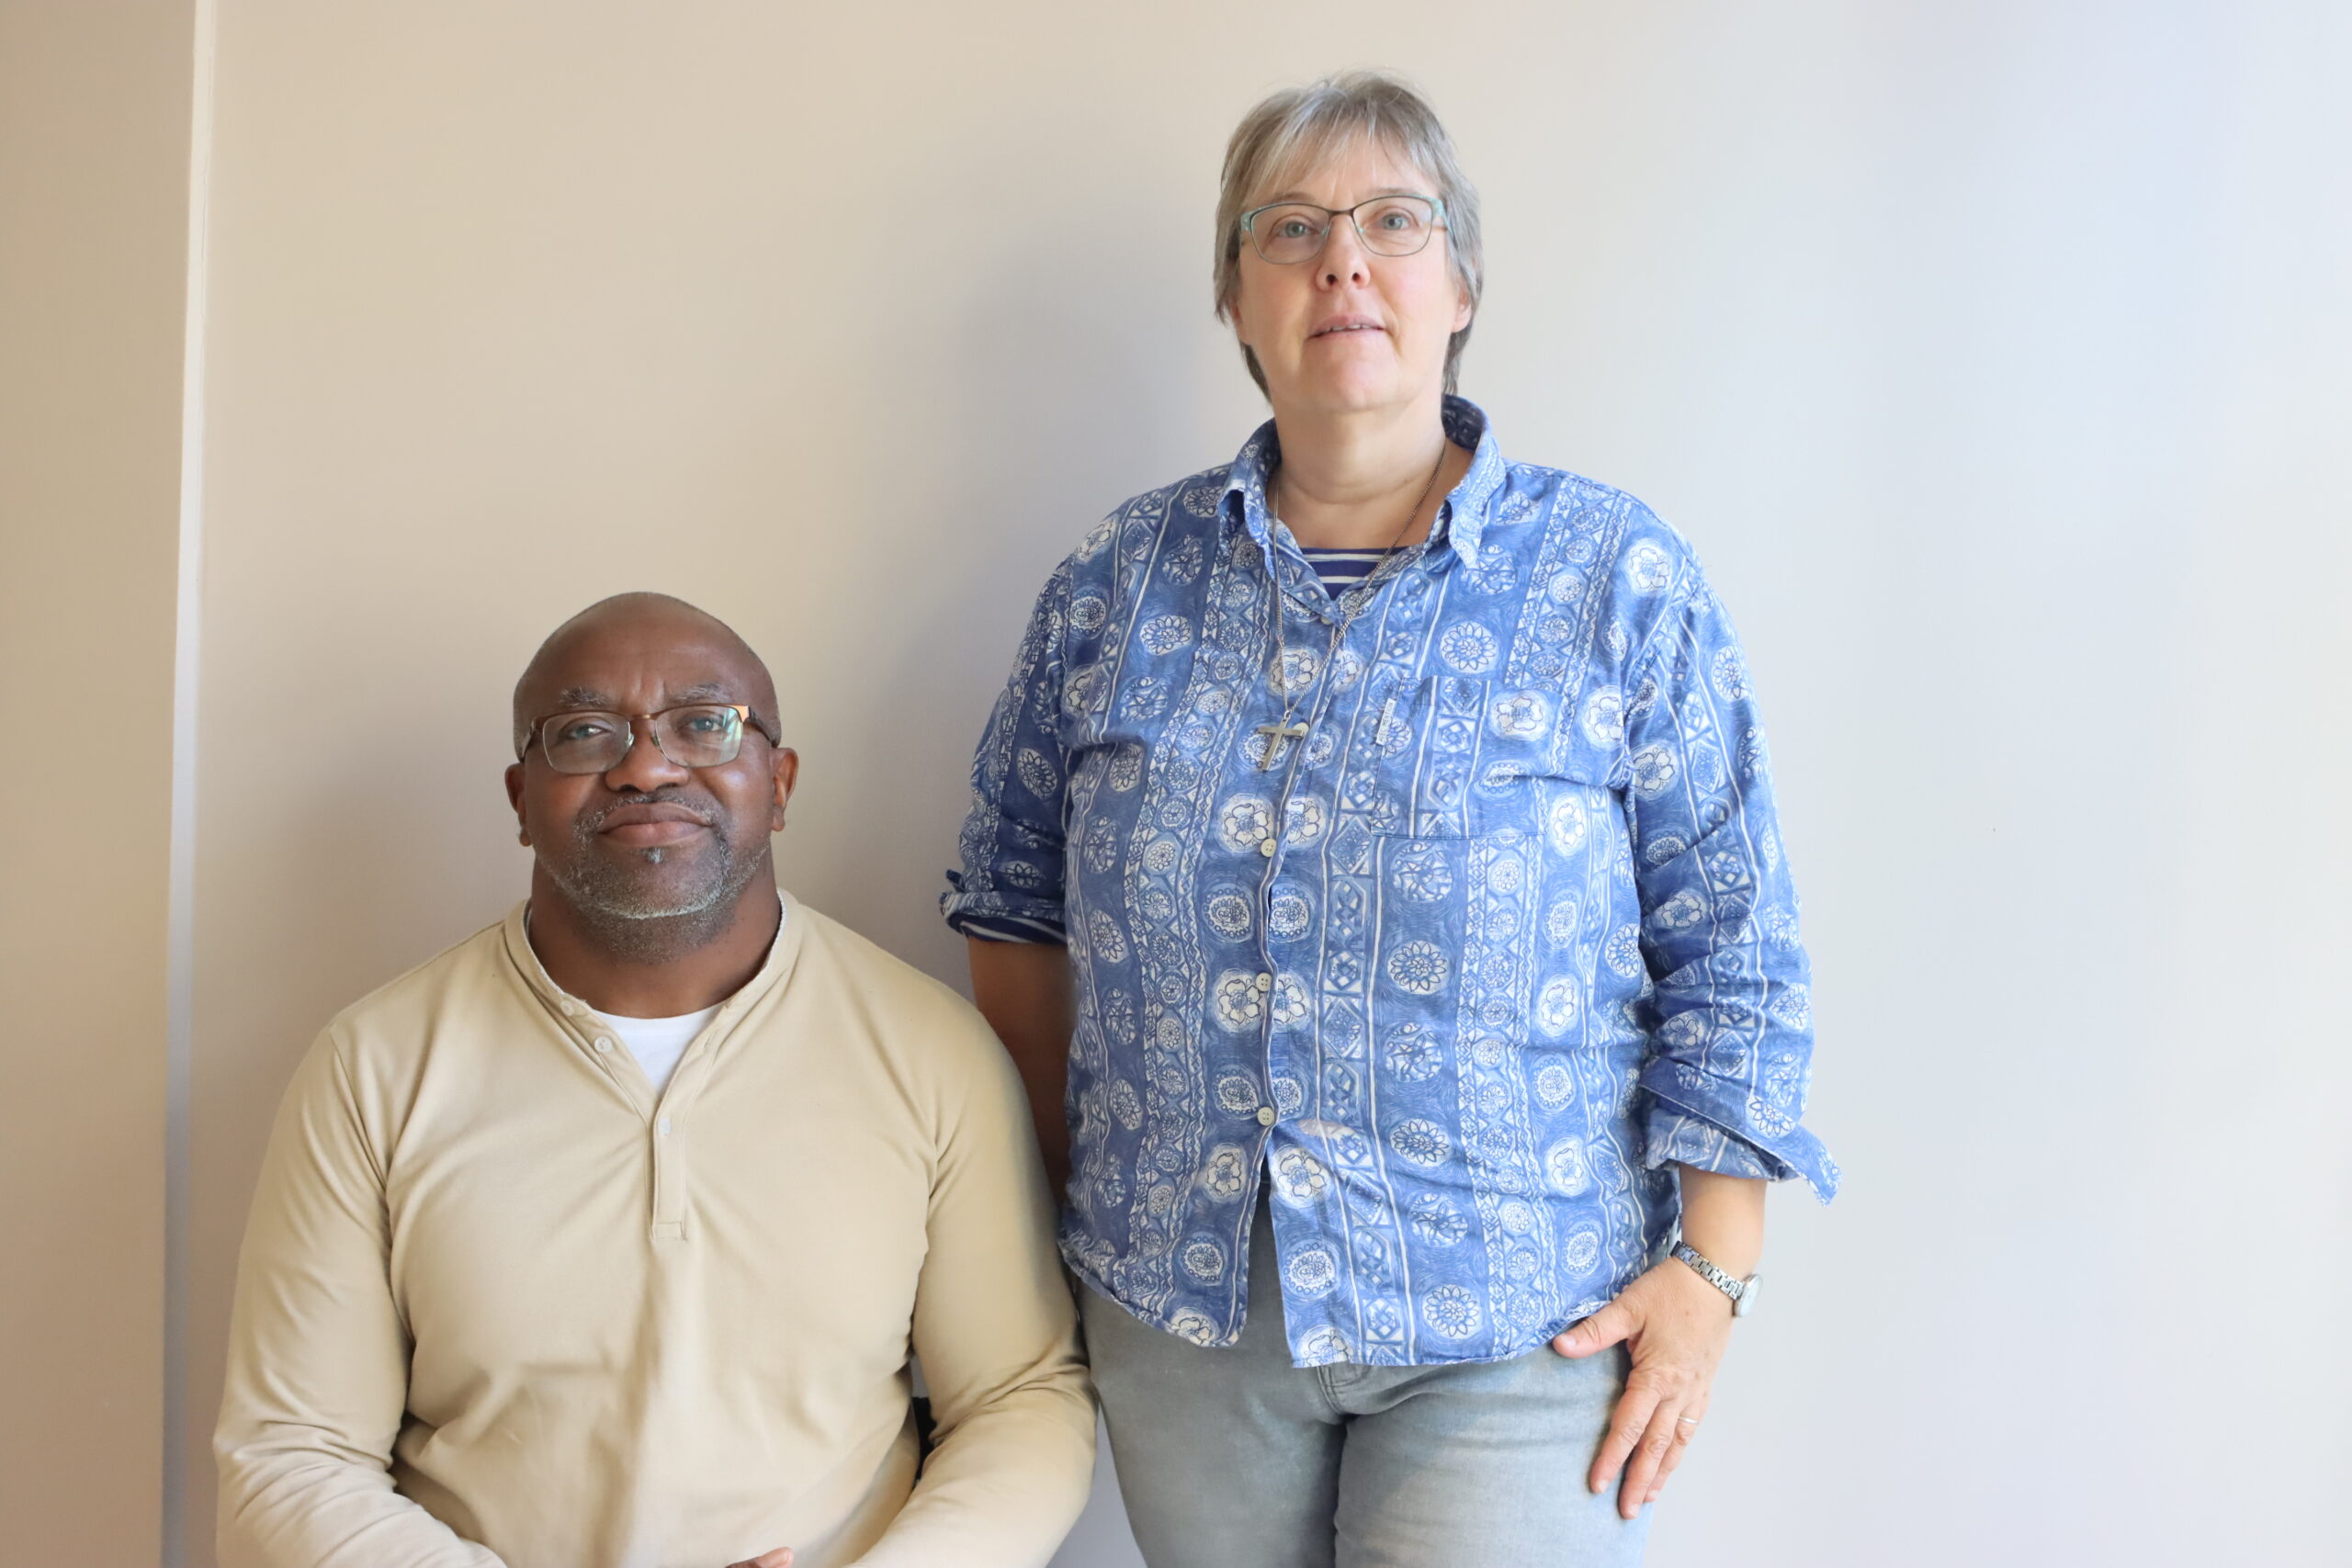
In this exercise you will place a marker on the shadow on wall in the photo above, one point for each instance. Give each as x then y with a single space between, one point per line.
1049 410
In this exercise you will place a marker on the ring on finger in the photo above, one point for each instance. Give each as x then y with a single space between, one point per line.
1688 1420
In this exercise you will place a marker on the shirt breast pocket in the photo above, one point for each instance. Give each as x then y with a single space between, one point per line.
1468 757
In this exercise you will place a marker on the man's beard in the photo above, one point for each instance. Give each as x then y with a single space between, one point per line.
636 918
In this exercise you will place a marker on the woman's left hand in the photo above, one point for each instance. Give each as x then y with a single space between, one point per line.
1677 1325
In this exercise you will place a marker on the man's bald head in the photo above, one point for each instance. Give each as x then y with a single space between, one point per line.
645 858
698 657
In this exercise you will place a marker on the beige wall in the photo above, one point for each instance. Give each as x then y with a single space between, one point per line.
94 163
1993 357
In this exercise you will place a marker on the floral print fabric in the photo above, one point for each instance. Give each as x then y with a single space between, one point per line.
1459 972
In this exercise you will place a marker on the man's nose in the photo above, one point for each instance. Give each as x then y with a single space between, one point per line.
1344 259
645 769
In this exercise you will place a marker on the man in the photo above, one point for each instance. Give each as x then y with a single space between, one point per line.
601 1240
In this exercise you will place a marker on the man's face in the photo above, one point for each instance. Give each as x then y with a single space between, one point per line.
648 838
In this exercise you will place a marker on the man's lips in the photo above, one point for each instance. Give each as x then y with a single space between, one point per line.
660 822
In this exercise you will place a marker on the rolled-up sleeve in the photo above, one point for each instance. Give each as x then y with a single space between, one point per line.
1732 1044
1009 884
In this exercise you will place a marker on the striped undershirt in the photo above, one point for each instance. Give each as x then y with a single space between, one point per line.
1339 570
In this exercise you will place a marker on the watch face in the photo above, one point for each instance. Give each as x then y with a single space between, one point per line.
1746 1302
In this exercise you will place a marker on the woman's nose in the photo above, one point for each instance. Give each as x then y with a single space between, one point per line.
1344 258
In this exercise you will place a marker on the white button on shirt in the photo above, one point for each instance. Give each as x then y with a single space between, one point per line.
658 1043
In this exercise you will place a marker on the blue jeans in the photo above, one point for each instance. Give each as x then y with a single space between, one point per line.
1236 1459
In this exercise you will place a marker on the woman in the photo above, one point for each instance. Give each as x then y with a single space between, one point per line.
1373 872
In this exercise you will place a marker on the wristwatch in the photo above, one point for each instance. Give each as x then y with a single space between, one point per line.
1741 1292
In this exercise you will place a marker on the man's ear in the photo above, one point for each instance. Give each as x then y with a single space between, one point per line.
514 799
784 772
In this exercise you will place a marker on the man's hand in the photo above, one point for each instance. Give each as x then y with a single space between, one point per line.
780 1558
1677 1325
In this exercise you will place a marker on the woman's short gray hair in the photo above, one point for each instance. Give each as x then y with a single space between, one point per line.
1297 126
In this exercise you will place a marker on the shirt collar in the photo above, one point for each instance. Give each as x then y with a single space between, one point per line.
1461 521
535 977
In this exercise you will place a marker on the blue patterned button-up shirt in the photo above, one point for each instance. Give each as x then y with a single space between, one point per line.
1459 971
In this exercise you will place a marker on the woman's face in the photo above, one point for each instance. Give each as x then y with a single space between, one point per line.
1350 332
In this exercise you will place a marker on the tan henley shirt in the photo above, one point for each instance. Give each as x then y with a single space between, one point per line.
501 1303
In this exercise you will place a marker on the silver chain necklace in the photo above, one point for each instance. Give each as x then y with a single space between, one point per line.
1280 734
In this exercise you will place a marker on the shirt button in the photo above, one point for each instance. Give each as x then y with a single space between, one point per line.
1266 848
665 1126
1265 982
603 1045
1265 1116
572 1009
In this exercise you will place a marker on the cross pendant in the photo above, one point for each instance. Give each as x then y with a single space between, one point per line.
1276 734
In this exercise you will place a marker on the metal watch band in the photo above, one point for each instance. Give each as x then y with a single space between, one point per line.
1736 1290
